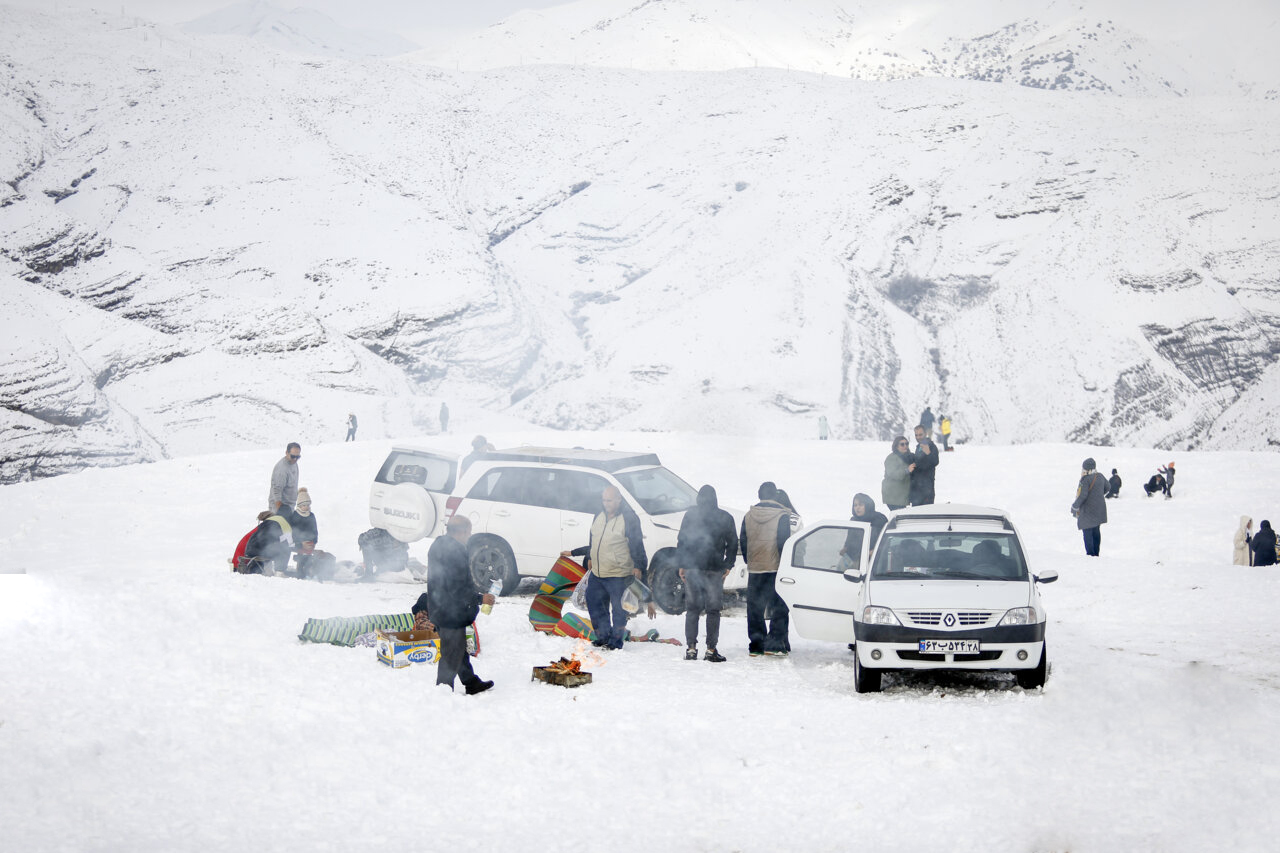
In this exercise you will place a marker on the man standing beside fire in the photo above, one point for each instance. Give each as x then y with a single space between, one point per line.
453 603
615 555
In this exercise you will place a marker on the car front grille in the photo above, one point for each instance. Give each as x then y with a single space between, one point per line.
921 656
963 618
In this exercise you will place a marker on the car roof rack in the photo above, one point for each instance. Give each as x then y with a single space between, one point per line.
605 460
950 519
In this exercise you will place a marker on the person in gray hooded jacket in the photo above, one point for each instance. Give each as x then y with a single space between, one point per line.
1090 506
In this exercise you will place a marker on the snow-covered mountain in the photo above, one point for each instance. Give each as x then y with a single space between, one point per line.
1126 47
298 30
206 243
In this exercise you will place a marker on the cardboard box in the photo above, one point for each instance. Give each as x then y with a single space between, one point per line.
398 649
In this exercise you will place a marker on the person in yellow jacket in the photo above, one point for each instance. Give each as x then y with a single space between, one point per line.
944 427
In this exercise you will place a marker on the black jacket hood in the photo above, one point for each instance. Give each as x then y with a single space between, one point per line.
707 498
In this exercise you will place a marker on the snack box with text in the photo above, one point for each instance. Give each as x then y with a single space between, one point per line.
400 648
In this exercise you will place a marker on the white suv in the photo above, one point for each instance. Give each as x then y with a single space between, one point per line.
527 504
947 588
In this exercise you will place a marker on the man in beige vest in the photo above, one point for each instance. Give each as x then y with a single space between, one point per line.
615 555
765 529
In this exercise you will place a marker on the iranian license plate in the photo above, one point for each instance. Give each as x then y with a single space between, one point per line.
950 647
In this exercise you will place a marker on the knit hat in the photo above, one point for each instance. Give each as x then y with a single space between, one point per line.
303 497
1089 464
420 606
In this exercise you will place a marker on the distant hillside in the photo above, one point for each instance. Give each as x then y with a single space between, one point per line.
1121 47
299 30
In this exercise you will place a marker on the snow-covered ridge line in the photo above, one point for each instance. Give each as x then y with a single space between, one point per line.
221 245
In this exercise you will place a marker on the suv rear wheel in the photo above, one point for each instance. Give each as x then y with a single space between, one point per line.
491 559
665 583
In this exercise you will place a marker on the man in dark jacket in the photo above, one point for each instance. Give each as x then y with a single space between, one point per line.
926 461
453 603
706 550
765 529
1090 507
1264 545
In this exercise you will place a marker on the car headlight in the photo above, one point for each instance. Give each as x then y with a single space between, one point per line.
879 616
1020 616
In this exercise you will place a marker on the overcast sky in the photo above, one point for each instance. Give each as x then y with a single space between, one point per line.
423 21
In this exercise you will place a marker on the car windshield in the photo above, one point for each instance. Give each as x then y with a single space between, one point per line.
657 490
949 556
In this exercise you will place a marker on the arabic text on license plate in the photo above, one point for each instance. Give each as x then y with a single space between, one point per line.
950 647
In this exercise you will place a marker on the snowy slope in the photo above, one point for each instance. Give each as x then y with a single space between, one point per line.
1122 47
154 701
298 30
271 243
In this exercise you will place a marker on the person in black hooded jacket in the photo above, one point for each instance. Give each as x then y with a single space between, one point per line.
453 603
706 550
1264 545
864 509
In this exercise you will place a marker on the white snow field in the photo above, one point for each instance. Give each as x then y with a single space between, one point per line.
150 700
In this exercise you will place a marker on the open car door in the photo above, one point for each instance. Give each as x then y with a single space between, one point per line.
812 581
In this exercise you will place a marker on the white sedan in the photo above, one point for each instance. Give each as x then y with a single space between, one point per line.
946 587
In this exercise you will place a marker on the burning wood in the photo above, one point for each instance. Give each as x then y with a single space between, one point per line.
564 666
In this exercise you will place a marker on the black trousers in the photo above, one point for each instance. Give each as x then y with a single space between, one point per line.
764 603
454 660
703 593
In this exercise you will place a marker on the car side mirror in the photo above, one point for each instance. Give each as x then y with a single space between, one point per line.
852 575
1048 576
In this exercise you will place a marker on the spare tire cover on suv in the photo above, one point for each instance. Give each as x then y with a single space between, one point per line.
408 512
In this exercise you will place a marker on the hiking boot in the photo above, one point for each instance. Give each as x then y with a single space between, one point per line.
754 650
713 656
691 653
478 687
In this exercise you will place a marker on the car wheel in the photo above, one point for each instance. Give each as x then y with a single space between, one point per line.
665 584
865 680
1029 679
491 559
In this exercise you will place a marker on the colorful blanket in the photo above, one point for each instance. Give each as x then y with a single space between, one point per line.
544 613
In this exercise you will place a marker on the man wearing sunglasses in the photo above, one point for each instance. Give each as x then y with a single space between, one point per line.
284 480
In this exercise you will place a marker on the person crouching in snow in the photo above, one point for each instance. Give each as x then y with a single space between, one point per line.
306 531
1155 484
1264 545
271 544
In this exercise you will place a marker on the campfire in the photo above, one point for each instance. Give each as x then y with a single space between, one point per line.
568 672
564 666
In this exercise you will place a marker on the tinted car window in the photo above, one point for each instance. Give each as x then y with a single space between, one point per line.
962 556
658 491
434 473
578 491
527 486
